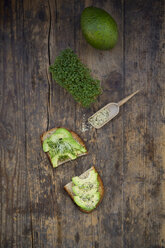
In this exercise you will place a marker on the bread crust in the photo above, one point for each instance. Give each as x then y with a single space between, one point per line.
101 191
45 135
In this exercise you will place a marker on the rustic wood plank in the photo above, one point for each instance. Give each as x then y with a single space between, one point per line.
43 205
143 125
15 227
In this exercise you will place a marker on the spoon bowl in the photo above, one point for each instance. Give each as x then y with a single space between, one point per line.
104 115
107 113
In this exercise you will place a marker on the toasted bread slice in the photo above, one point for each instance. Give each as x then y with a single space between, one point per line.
68 188
74 135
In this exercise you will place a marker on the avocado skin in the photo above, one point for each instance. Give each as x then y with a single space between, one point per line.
99 28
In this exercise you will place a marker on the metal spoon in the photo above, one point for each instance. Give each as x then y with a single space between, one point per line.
108 112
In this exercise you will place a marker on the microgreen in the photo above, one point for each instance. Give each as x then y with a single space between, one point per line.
70 73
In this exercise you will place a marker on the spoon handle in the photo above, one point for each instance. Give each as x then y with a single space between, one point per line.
127 98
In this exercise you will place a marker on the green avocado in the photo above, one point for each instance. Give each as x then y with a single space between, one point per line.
57 157
86 203
54 137
60 133
61 145
86 182
45 145
85 192
70 155
63 133
99 28
74 144
55 160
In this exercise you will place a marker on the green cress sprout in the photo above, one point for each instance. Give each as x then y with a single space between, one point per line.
69 72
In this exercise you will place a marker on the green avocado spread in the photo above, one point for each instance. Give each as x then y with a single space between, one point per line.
86 191
61 146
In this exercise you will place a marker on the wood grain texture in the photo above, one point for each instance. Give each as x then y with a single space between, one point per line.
143 164
129 152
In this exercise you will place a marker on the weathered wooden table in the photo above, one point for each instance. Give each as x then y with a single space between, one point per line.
128 152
